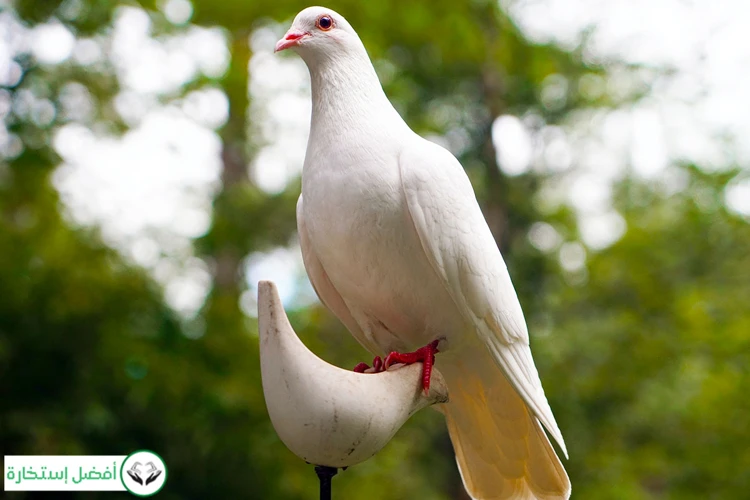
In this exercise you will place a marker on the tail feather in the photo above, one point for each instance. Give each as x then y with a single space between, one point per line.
501 448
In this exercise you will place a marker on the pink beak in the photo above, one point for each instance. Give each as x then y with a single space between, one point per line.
291 39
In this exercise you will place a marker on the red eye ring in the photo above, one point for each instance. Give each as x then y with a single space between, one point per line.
324 23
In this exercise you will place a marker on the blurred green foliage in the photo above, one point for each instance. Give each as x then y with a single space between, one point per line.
645 353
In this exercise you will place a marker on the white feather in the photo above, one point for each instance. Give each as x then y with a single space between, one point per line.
458 243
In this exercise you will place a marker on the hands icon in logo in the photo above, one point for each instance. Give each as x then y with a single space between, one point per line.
151 473
143 473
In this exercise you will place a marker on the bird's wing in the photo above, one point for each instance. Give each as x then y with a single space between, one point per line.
322 285
459 245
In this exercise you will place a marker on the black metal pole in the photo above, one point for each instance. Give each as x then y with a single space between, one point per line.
325 474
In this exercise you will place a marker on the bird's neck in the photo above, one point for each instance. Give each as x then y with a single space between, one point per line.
347 92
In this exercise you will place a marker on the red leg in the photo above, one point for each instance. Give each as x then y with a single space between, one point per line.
424 354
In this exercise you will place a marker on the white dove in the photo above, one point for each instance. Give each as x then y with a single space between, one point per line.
395 244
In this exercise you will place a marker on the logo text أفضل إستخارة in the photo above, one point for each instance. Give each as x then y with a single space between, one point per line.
142 473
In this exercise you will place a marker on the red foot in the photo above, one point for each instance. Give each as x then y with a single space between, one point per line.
424 354
377 366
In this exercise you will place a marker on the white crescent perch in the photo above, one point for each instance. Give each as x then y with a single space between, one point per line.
324 414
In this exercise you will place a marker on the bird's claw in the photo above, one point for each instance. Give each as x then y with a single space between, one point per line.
424 354
377 366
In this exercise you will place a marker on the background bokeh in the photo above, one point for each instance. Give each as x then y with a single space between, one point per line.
150 167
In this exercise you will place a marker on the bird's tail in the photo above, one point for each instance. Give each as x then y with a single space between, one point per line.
501 448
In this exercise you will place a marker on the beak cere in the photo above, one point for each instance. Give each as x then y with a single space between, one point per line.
291 39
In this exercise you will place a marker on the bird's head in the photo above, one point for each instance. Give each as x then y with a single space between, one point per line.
318 31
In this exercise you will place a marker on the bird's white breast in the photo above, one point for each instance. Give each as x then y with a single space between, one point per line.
361 231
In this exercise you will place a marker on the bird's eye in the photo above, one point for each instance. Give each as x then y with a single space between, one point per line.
325 23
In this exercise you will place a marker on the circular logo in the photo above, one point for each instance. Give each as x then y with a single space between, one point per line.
143 473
